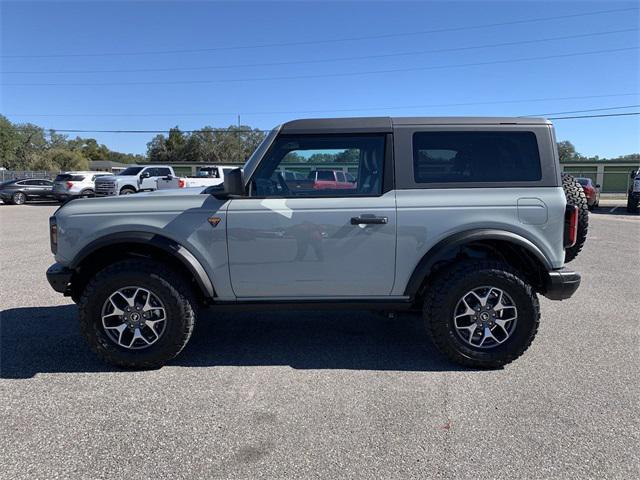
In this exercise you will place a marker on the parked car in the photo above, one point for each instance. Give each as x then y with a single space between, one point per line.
633 193
133 179
591 191
466 220
20 191
69 185
207 176
324 179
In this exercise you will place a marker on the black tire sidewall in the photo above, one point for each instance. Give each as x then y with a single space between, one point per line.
526 325
165 348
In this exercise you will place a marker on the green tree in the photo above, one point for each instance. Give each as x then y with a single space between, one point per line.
567 151
67 160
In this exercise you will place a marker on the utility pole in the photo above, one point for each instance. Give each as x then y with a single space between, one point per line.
238 120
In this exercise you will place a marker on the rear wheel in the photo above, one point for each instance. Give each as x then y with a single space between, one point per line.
137 314
127 191
574 193
19 198
481 313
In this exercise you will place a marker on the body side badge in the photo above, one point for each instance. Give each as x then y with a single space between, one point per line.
214 221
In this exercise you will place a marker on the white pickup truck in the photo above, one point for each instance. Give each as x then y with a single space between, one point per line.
207 176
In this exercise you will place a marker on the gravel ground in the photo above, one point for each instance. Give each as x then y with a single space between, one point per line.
322 395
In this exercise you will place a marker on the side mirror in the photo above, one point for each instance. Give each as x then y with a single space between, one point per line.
597 185
145 175
234 183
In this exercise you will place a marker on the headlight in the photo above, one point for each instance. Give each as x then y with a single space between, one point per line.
53 234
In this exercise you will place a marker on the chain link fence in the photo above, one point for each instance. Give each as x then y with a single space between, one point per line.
6 175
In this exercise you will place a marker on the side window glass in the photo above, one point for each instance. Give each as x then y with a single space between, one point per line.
452 157
311 166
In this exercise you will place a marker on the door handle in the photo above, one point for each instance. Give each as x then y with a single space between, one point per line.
369 220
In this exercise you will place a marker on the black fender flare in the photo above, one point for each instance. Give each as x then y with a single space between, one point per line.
440 250
184 256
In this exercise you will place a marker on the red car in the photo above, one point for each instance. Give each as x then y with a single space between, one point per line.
332 179
591 190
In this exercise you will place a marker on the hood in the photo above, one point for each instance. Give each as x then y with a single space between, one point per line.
165 201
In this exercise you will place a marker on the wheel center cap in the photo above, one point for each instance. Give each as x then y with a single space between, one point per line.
135 317
484 316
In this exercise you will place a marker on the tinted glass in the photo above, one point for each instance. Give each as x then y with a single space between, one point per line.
315 159
63 177
325 175
163 172
452 157
583 181
131 171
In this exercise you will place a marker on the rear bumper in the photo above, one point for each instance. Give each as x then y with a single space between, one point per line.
59 277
562 284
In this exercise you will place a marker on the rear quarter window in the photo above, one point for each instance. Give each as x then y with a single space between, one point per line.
475 157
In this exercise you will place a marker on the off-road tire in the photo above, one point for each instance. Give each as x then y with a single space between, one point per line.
445 290
127 191
167 284
575 196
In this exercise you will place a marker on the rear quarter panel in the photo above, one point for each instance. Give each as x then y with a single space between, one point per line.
428 214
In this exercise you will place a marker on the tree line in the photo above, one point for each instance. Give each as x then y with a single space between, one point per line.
29 147
567 152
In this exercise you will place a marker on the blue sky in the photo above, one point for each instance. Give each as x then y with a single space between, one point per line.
402 75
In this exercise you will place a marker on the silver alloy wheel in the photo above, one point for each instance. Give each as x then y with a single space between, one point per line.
485 317
134 317
19 198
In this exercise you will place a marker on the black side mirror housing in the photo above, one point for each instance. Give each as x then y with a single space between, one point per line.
597 185
233 184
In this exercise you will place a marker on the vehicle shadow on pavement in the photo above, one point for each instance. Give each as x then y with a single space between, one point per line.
47 340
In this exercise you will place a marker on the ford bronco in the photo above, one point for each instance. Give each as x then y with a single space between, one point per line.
462 219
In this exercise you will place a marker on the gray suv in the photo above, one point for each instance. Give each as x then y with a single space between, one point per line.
464 220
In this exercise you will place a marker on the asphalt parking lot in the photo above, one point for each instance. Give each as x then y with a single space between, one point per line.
322 394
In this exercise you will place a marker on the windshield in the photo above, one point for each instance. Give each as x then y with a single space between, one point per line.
251 164
583 181
131 171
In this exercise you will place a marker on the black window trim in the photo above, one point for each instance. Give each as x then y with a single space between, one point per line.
388 176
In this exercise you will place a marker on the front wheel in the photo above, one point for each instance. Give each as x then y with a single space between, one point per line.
127 191
19 198
481 313
137 314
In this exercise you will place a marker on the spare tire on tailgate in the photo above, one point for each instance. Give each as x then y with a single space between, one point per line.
575 196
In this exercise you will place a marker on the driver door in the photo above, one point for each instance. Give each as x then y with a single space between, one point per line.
148 178
296 237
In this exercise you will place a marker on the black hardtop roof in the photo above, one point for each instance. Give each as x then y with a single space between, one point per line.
386 124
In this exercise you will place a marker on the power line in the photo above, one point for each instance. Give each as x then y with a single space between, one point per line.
69 130
595 116
326 41
337 110
325 75
582 111
324 60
